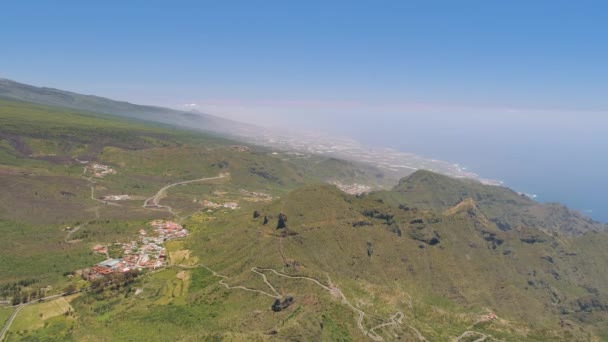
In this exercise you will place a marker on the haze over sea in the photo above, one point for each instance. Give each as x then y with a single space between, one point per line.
513 90
560 157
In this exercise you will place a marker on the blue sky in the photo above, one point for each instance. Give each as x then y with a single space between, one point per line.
516 90
326 55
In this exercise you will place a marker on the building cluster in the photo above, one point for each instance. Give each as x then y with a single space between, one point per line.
167 230
148 252
116 197
100 170
100 249
252 196
352 189
489 317
228 205
240 148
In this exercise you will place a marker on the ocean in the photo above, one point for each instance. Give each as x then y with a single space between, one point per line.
560 158
574 177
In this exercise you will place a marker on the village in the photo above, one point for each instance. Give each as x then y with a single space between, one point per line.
147 252
351 189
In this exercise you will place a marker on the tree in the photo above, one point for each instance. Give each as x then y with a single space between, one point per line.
71 288
282 221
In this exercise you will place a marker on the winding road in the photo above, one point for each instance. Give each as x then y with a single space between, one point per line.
334 290
395 319
162 192
276 294
72 231
153 203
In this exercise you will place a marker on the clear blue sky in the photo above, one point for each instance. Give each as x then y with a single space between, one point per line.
524 54
514 89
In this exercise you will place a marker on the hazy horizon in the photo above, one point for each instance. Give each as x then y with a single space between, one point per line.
461 82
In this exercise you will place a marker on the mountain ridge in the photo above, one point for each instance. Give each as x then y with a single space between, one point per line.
10 89
394 164
501 205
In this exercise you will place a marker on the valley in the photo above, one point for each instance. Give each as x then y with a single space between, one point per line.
261 244
294 171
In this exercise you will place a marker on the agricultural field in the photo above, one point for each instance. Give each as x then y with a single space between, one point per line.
5 313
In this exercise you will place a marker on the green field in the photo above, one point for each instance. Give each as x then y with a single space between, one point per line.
5 314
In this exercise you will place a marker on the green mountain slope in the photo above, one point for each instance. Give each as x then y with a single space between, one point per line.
402 273
43 151
506 208
95 104
438 268
436 258
445 272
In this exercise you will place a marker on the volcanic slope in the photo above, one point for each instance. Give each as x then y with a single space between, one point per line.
504 207
435 258
12 90
361 268
47 156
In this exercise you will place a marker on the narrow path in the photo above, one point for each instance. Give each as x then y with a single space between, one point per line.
92 184
334 290
281 252
395 319
418 334
72 231
277 295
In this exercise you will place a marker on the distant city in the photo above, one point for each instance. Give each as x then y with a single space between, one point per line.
390 160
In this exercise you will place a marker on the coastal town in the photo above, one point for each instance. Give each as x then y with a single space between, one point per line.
146 252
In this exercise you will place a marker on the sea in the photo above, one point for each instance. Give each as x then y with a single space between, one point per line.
557 158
